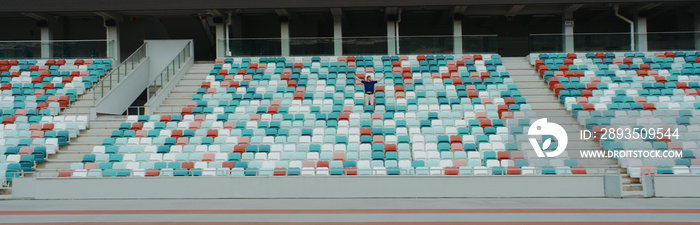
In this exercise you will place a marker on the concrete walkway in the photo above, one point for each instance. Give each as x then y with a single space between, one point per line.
537 211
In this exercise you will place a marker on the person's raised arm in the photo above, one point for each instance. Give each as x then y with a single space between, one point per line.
380 79
357 78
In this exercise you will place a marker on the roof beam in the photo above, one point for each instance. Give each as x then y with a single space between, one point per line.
459 10
216 12
642 8
108 15
514 9
39 16
140 5
336 13
282 12
392 10
572 7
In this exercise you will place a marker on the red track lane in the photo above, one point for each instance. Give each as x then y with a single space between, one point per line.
352 223
351 211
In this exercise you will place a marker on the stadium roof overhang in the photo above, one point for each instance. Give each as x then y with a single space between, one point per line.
78 8
187 5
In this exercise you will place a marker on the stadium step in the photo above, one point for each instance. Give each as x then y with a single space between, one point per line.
99 128
82 103
188 85
545 104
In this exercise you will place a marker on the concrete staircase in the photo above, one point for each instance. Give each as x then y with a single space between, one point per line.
188 85
81 105
547 105
100 128
83 102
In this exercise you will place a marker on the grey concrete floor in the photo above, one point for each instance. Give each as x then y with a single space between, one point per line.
671 210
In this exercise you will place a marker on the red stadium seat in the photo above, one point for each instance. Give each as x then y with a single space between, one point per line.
47 127
322 164
152 172
451 170
365 131
186 111
212 133
339 156
578 170
244 140
176 133
513 170
183 141
350 170
455 139
280 171
8 120
187 165
208 157
64 173
501 155
141 133
228 165
240 148
35 127
136 126
344 116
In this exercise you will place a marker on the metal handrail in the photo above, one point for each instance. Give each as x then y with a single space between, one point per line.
430 171
106 83
161 110
164 77
56 41
357 37
616 33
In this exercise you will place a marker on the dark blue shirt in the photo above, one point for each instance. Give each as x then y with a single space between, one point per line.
369 85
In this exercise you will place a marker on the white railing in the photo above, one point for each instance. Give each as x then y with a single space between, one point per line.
346 172
117 74
169 71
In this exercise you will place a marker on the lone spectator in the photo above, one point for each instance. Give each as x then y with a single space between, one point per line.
369 88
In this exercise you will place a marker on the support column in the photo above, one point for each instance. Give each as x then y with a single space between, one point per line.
457 34
337 31
221 40
391 37
568 30
46 41
393 15
641 28
42 21
112 41
284 35
697 30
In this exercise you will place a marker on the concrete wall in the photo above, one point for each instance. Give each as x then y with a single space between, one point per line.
677 186
309 187
158 99
161 52
123 94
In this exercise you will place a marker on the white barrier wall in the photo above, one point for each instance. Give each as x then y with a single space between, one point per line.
309 187
159 54
677 186
126 91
